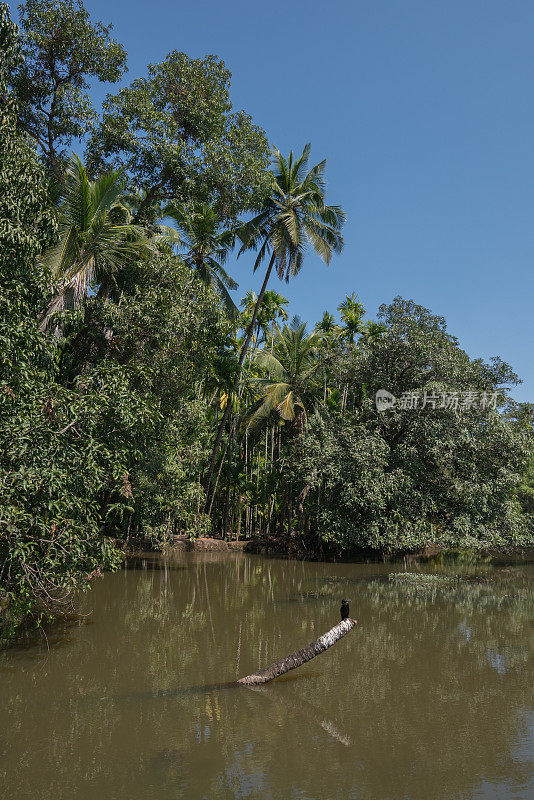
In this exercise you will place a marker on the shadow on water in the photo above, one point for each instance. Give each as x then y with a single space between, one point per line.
152 561
35 641
170 757
165 694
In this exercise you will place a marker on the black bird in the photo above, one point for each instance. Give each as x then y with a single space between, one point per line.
344 609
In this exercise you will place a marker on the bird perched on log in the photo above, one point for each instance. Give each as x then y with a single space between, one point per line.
344 609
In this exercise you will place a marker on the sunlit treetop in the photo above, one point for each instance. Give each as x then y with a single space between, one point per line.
174 133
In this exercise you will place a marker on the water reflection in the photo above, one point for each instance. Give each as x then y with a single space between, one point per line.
430 697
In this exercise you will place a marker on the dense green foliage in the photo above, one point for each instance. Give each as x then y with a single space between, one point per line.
434 474
176 135
49 534
137 402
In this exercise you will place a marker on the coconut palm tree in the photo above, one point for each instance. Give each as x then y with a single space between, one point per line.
290 385
204 246
96 239
293 220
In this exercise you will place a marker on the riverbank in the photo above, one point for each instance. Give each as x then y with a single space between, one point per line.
296 548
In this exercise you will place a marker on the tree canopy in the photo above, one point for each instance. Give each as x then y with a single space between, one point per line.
63 50
176 135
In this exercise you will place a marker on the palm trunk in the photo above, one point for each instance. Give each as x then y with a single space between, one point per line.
221 465
301 656
246 343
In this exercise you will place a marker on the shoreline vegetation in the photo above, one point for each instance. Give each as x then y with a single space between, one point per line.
294 548
143 400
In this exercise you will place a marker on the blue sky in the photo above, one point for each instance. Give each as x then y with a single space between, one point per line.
424 110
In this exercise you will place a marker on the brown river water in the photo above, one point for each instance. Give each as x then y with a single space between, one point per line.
431 696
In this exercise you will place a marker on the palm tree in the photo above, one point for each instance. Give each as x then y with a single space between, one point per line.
294 218
328 326
205 247
273 304
272 308
352 313
373 330
291 384
96 238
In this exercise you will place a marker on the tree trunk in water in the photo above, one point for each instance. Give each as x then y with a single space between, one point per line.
269 673
301 656
217 444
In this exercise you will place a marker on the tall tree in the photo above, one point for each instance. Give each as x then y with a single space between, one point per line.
272 308
63 50
352 313
27 222
47 542
294 218
175 134
327 325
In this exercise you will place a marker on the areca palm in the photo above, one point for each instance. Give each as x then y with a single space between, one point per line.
373 330
96 238
272 308
352 313
294 219
291 384
204 247
328 326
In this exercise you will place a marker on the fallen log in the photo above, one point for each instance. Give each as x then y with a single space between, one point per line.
273 670
300 657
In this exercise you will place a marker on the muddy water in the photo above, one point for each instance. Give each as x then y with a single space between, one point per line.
431 696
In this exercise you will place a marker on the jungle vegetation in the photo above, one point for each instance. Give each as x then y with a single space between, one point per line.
140 399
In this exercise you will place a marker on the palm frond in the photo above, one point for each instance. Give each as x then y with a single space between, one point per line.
76 194
56 258
106 192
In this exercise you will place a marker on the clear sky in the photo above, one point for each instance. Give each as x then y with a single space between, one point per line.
424 110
